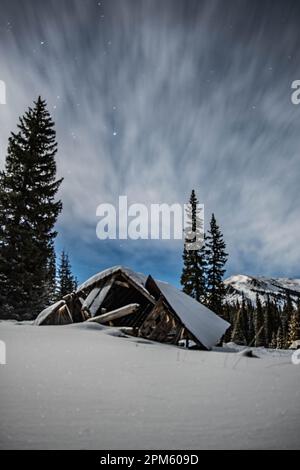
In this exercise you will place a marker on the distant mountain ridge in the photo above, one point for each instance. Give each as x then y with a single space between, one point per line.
276 288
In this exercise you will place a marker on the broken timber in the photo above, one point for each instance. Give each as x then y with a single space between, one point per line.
115 314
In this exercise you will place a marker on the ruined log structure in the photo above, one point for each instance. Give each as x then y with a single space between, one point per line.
142 305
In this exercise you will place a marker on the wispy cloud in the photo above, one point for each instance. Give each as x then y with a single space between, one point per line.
152 99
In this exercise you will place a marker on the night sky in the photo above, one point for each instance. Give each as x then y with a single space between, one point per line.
152 98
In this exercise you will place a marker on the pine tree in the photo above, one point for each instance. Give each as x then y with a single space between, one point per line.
288 308
52 285
244 320
66 281
274 318
28 212
267 321
251 329
287 313
227 316
194 263
273 343
238 335
280 343
260 339
294 328
216 260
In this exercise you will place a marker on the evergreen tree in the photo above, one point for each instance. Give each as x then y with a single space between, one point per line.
298 305
227 316
244 322
287 313
28 212
268 321
194 264
66 281
288 308
273 344
260 339
52 287
274 318
251 330
294 328
216 260
280 339
238 335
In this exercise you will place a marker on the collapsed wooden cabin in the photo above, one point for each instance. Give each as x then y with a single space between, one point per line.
147 308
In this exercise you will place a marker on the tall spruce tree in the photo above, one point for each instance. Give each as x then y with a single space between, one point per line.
273 344
294 328
66 281
52 286
244 319
260 337
274 318
28 212
194 263
268 321
251 329
280 342
216 257
227 316
287 313
238 334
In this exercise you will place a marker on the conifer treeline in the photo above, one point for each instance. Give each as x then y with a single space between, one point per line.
267 324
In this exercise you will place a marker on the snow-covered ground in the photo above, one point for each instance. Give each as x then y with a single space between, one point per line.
85 387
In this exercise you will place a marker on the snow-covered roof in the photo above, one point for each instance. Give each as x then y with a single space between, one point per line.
137 278
204 324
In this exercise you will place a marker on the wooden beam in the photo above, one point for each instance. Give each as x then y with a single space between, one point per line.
99 299
115 314
64 316
91 297
122 284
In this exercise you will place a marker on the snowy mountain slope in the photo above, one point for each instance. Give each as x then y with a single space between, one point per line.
276 288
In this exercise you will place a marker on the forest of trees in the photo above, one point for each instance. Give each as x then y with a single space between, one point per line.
269 324
28 212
